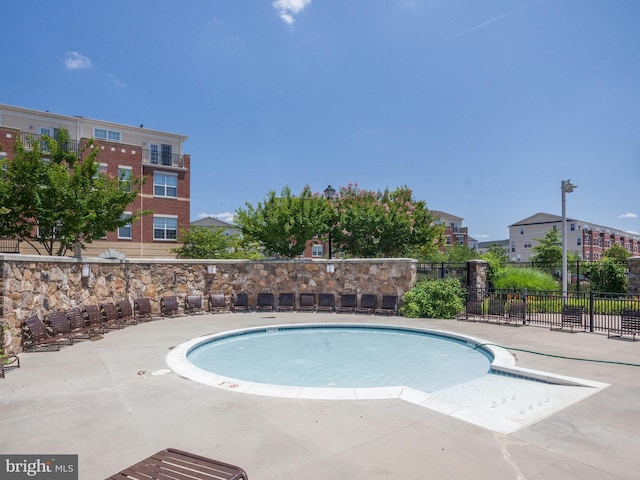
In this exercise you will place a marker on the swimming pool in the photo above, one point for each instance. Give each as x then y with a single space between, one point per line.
343 356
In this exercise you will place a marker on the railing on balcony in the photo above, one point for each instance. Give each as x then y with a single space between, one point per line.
31 139
153 157
9 245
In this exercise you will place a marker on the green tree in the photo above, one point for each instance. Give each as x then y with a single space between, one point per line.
549 249
497 258
207 242
617 253
607 276
54 199
372 224
283 224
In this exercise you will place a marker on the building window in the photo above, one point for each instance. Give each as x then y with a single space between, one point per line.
160 154
316 251
527 244
165 228
124 232
124 177
448 239
460 239
521 230
579 241
572 227
104 134
554 227
513 247
165 185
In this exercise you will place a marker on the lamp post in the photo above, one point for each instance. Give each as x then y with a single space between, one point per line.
566 187
329 192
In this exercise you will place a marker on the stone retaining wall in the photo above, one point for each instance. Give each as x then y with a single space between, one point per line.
41 284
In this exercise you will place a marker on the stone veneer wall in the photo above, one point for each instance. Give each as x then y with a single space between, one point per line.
39 284
633 264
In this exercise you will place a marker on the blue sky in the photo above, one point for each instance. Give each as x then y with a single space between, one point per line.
481 107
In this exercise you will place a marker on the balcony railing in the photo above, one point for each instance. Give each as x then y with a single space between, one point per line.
150 157
31 139
9 245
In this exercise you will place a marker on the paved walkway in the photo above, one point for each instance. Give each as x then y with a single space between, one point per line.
99 399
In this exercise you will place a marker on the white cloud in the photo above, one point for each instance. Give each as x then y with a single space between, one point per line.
116 81
228 217
288 8
629 215
76 61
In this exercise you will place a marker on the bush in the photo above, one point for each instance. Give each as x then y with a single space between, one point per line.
434 299
607 276
517 278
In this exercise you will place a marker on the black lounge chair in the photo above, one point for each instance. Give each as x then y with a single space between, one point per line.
265 302
58 325
217 303
389 305
348 303
240 302
326 302
307 302
36 338
169 306
178 464
286 302
142 309
193 304
368 303
8 361
93 319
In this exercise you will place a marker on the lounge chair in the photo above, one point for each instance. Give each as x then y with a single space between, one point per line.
110 316
368 304
142 309
265 302
168 306
217 303
93 319
125 312
348 303
177 464
326 302
193 304
389 305
58 325
36 338
307 302
77 323
286 302
240 302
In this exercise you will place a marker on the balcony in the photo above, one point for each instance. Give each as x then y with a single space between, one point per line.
164 159
9 245
31 139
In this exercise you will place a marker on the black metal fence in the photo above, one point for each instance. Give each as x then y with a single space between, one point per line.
434 271
600 312
9 245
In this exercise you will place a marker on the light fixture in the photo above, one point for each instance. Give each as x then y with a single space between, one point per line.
331 268
567 187
86 271
211 269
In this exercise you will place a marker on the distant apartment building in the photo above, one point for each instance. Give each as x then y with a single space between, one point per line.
124 151
588 240
454 233
212 222
483 247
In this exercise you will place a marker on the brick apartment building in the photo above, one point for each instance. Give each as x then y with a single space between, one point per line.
124 151
590 241
454 233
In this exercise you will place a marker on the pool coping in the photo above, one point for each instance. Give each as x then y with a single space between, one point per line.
503 363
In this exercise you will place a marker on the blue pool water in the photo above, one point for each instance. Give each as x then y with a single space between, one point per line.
343 357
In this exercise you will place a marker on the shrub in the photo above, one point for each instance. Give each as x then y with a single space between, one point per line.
434 299
517 278
607 276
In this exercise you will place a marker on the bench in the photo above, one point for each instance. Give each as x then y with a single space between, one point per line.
8 361
629 324
517 313
571 317
473 309
217 303
177 464
193 304
496 309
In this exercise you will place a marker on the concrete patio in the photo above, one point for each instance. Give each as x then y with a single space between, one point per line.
99 399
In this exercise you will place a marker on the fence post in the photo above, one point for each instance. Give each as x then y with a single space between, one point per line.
577 275
591 310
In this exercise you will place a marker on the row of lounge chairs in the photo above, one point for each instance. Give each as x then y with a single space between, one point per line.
309 302
64 327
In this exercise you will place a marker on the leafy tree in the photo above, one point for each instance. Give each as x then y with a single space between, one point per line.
617 253
549 248
381 224
283 224
54 199
607 276
207 242
497 258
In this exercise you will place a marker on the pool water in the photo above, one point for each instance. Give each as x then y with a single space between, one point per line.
343 357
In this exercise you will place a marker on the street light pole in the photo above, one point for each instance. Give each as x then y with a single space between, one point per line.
329 192
567 187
